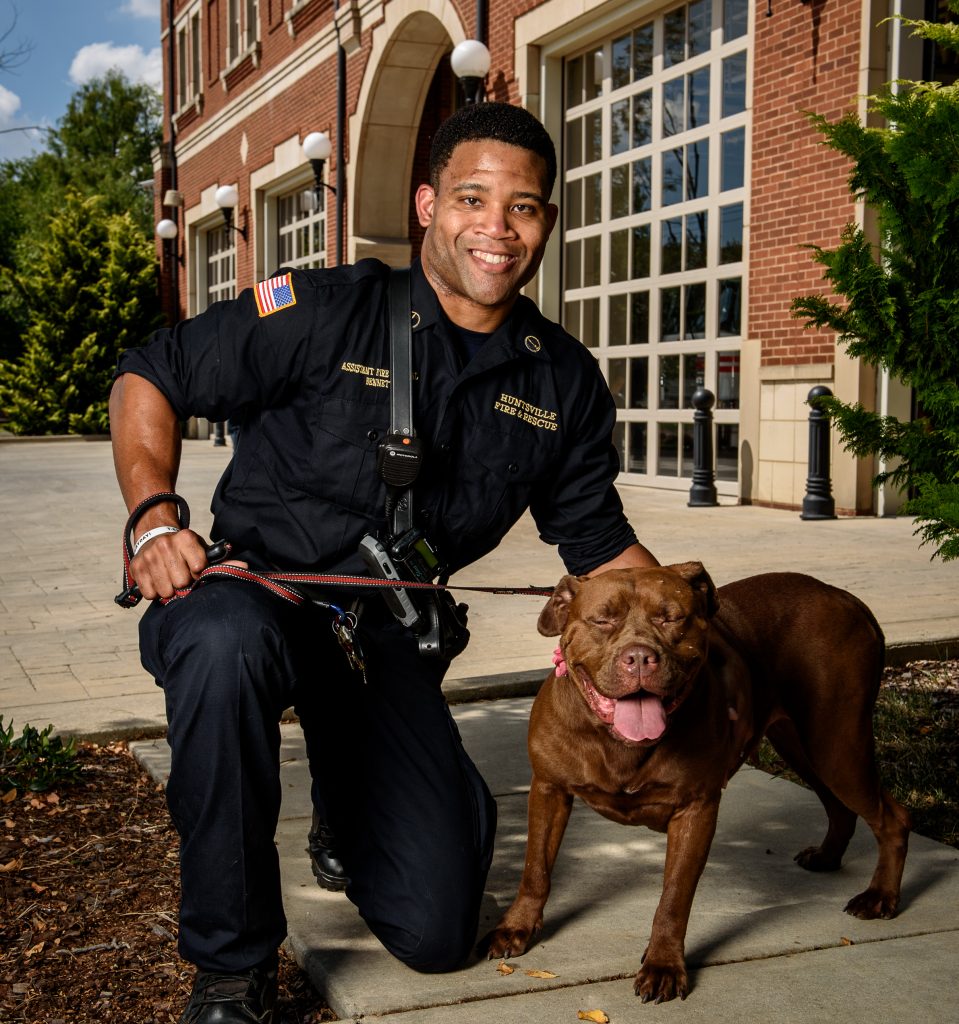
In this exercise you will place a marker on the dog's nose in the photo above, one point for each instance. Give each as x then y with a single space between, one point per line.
639 660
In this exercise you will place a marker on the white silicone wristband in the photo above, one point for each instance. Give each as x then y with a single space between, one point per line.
150 534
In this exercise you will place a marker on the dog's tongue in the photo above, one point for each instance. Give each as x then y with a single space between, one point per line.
639 717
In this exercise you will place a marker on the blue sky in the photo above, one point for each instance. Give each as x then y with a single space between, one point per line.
72 42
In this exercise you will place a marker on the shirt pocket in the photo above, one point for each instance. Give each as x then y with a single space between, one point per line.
493 484
342 467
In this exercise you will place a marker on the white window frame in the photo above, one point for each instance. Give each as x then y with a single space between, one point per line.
242 28
189 57
714 347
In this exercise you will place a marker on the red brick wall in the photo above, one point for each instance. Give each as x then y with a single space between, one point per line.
806 57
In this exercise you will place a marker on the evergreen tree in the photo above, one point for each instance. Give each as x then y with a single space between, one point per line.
91 291
900 302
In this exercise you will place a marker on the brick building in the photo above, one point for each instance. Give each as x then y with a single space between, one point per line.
689 184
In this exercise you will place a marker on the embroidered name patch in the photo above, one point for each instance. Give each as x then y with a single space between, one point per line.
510 405
275 294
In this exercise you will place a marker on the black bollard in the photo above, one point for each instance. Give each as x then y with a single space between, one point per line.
818 502
703 491
219 435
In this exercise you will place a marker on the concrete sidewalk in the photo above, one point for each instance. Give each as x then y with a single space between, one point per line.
767 941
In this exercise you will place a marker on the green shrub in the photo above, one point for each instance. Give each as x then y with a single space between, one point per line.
36 760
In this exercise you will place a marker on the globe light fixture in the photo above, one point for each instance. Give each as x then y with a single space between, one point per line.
470 61
317 148
167 229
227 197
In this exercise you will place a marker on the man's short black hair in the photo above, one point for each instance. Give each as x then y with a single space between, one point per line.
501 122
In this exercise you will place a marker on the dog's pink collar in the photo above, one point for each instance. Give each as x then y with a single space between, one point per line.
559 662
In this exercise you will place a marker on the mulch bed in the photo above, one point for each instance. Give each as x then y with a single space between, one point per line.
89 893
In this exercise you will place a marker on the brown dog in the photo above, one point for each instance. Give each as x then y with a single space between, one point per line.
669 688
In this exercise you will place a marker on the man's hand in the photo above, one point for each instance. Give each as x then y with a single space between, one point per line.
634 557
168 563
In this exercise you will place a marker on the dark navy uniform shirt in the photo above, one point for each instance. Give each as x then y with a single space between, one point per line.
526 422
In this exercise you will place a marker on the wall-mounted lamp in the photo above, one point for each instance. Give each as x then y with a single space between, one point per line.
470 61
167 230
227 197
317 148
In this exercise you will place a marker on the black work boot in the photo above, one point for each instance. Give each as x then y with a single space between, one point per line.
327 867
247 997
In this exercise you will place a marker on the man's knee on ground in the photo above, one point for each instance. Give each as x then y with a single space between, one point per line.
443 945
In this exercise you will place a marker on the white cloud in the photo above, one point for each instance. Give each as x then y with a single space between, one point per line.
98 58
142 8
9 105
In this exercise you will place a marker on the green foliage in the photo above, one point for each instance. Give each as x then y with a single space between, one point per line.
900 300
36 760
90 292
101 147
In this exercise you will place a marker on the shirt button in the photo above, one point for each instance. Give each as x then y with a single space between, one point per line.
424 514
513 468
373 435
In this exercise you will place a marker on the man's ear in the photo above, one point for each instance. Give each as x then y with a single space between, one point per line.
553 618
697 577
423 200
552 212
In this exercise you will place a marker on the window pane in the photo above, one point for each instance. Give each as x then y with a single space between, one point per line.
696 227
727 382
674 105
641 251
643 52
593 63
619 443
619 255
669 382
698 110
669 314
727 450
619 191
619 127
695 311
591 258
671 252
733 159
574 82
667 463
731 233
734 84
594 137
642 118
590 336
697 169
622 62
617 320
674 37
642 184
694 365
592 199
639 318
687 466
735 19
637 448
574 267
571 318
617 381
574 143
700 24
574 204
672 176
729 306
639 383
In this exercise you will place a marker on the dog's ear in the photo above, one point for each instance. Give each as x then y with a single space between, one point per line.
552 619
697 577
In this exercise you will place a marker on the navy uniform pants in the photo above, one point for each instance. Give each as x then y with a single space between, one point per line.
413 818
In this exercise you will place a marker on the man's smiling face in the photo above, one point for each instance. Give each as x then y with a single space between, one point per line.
487 226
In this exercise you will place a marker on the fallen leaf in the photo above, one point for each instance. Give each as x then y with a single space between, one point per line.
594 1015
847 942
11 865
38 948
52 798
38 888
542 974
9 796
504 968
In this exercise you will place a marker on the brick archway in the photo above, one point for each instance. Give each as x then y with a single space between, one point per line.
408 49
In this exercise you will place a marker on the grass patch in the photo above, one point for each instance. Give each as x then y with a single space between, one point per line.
917 745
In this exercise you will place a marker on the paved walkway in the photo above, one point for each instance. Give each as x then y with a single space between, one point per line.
767 941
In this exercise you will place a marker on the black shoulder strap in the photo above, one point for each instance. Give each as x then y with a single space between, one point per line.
401 354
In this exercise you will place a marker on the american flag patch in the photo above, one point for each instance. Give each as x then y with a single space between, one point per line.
277 293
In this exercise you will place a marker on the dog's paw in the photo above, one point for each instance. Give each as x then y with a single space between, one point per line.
658 981
814 858
873 903
505 941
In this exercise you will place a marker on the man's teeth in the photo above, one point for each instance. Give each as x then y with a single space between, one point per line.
489 257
